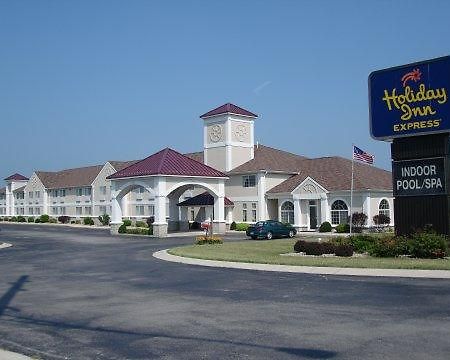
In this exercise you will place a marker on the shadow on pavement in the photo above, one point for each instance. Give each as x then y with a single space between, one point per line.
9 295
304 352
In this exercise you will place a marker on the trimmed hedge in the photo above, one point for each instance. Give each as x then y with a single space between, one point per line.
30 219
127 222
315 248
104 219
139 231
343 228
44 218
20 218
141 224
122 229
211 240
37 220
242 226
325 227
64 219
88 221
233 225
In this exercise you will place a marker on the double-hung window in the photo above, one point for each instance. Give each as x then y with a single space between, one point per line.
249 181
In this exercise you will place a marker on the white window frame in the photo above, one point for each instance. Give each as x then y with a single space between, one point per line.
248 181
341 215
287 212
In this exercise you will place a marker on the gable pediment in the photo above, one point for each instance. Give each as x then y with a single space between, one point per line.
309 187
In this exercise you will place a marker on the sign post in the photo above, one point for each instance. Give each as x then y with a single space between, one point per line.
409 106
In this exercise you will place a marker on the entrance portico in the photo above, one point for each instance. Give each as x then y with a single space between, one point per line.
166 175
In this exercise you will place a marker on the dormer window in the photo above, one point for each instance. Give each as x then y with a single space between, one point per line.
249 181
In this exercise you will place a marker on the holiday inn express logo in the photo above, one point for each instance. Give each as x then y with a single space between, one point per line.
410 100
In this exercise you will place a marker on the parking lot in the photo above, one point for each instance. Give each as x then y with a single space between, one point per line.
84 294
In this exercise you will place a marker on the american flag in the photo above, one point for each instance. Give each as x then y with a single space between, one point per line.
360 155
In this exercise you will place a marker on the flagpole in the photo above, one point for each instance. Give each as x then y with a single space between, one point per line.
351 189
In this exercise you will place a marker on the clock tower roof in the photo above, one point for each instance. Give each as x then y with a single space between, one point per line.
228 108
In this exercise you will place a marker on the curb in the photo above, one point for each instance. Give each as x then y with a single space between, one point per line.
8 355
405 273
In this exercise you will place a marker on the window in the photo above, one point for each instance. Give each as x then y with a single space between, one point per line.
383 208
151 210
244 212
37 211
287 212
30 194
62 210
103 190
79 192
139 210
54 210
37 194
62 192
30 211
339 213
87 210
249 181
87 191
102 210
253 212
79 210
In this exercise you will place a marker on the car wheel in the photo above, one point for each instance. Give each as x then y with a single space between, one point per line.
269 235
291 234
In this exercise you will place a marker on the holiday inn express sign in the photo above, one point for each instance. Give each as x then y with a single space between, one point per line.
410 100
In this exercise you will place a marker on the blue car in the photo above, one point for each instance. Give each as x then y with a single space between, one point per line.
270 229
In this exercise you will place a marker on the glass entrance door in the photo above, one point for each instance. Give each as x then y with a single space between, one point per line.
312 214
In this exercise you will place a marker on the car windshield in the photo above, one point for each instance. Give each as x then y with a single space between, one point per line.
259 223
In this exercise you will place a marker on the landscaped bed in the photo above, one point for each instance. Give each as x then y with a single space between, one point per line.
269 252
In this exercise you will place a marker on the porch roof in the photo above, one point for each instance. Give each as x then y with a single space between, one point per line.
167 162
203 199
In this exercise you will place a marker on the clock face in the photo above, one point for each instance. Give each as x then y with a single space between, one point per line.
215 133
240 132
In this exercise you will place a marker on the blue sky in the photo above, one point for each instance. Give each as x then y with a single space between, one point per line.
82 82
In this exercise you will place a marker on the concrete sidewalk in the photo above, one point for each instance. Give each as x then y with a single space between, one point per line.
8 355
406 273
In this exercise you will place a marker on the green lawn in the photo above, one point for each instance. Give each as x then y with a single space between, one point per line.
268 252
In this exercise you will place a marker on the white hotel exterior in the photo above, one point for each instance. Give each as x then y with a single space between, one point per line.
246 182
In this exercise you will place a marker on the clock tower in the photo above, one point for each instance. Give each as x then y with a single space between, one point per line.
228 137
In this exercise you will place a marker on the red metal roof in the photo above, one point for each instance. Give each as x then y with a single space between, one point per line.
228 108
167 162
203 199
16 176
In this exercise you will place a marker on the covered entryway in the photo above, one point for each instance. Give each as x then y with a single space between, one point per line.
166 175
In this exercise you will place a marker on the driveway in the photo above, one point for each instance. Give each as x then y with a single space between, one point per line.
83 294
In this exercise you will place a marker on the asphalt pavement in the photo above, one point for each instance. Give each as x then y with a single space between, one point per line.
83 294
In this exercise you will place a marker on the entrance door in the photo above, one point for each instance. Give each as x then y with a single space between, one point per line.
312 215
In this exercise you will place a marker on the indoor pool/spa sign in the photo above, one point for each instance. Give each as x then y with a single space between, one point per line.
419 177
410 100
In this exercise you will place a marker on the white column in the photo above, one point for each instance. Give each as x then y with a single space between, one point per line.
229 214
116 216
367 209
324 211
262 206
297 214
9 201
124 206
219 226
160 210
45 201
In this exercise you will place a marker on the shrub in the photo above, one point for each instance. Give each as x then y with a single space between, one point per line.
104 219
37 220
30 219
20 218
389 246
127 222
64 219
13 219
138 231
242 226
122 229
88 221
44 218
314 248
211 240
362 243
343 228
52 221
233 226
381 219
325 227
141 224
359 219
195 225
427 245
150 220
